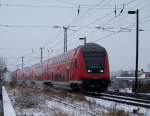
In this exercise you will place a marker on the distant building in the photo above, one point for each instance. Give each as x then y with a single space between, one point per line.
147 74
121 81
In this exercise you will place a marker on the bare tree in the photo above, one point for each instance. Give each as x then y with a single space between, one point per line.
3 68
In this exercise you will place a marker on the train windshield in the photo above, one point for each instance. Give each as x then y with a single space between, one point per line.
94 62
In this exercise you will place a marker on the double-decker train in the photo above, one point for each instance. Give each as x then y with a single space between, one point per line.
83 68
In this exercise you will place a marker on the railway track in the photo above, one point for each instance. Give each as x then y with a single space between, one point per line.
67 104
134 95
77 107
138 100
109 96
129 99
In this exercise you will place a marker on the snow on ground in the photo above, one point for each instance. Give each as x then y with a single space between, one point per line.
119 106
32 102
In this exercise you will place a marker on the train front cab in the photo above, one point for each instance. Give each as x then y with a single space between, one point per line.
93 68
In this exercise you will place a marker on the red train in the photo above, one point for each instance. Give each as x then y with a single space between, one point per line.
83 68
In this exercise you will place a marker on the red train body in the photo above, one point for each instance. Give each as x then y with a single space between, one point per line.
86 67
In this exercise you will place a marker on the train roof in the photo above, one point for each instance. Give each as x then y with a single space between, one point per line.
92 47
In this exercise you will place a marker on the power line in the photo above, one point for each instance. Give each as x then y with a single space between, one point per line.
26 26
54 6
134 0
141 22
96 20
120 31
101 6
35 6
125 4
116 32
111 19
85 13
130 2
71 3
54 38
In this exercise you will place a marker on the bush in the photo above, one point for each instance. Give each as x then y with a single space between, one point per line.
13 84
79 98
117 113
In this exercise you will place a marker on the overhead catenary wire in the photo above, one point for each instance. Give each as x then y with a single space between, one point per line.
116 32
74 21
54 6
56 39
125 4
74 4
111 34
109 21
85 13
32 26
127 26
123 17
112 13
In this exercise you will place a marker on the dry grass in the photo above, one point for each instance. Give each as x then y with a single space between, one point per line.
63 94
78 98
25 91
13 84
58 112
117 113
53 94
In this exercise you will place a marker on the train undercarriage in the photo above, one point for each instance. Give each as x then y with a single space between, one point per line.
91 86
82 86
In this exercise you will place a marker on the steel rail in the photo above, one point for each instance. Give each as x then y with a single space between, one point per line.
124 99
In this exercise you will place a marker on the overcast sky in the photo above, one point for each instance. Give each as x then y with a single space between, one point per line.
27 25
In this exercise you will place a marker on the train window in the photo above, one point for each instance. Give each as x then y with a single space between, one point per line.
94 62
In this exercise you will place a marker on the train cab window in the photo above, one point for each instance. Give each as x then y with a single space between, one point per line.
94 62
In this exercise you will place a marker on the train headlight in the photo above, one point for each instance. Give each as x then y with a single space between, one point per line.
101 70
89 71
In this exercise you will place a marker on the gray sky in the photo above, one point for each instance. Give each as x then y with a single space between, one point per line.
27 25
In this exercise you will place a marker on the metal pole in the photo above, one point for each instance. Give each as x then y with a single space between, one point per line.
84 40
137 49
22 58
41 54
65 38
